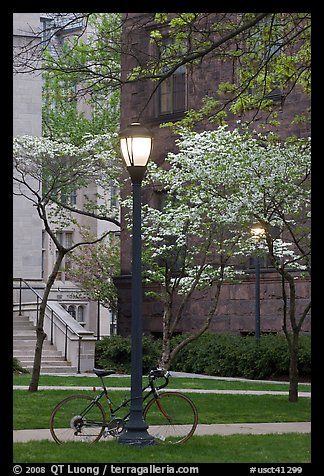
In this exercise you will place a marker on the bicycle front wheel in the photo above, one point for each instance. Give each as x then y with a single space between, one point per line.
77 418
172 417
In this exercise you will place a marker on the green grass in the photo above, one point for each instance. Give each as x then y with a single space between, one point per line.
33 409
286 448
175 382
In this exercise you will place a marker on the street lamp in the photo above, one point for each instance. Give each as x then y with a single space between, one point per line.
136 145
257 232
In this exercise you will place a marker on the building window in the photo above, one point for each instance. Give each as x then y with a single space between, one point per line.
113 195
73 197
80 315
69 198
71 310
43 253
68 239
67 268
65 239
59 236
76 311
171 97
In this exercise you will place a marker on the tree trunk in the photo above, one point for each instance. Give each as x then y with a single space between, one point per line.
166 352
293 337
41 335
169 355
293 367
166 340
33 386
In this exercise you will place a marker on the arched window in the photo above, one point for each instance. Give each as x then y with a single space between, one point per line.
80 317
71 310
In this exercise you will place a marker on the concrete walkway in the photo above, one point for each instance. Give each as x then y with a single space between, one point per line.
185 390
202 429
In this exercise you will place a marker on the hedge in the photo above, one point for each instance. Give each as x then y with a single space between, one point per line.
114 352
212 354
236 356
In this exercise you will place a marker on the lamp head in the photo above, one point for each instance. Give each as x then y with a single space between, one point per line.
258 231
136 146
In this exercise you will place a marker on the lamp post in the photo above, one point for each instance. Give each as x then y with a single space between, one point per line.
257 232
136 146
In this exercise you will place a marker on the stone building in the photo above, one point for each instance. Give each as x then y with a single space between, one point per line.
27 119
184 90
34 252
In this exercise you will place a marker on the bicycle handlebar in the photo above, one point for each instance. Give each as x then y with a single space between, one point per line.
159 373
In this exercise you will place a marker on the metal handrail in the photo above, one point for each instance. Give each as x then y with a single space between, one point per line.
53 312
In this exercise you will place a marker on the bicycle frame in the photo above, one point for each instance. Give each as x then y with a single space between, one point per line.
153 391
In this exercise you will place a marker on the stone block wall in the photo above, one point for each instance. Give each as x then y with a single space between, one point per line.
27 120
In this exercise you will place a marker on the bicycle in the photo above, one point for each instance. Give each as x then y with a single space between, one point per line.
172 417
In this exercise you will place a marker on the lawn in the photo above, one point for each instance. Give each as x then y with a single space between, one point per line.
32 410
286 448
175 382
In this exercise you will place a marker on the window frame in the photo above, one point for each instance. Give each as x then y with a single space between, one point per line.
173 94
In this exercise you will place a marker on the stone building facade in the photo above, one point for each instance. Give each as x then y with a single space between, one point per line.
236 310
34 252
27 119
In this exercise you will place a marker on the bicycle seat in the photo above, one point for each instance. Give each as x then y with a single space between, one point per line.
103 373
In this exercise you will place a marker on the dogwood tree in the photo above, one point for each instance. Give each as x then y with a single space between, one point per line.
192 242
219 184
46 171
274 190
93 267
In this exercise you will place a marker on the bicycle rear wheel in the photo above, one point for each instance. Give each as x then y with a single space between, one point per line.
172 417
77 418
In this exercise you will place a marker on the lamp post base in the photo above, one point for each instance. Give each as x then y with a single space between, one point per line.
136 437
136 430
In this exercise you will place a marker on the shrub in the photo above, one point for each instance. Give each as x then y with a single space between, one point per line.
304 356
235 356
17 367
115 352
212 354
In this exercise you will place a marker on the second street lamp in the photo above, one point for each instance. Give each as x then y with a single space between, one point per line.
257 232
136 146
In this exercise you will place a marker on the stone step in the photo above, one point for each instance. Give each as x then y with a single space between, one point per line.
22 324
28 361
57 369
45 357
46 350
24 341
21 334
29 353
23 328
23 317
30 344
